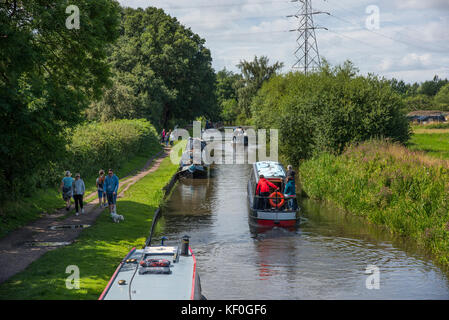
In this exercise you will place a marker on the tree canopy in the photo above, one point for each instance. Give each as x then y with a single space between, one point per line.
48 75
226 91
254 73
162 70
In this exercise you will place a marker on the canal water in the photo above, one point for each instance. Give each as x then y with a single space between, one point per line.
331 255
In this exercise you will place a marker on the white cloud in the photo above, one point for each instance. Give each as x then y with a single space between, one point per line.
422 4
416 61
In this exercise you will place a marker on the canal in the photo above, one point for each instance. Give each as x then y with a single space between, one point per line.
326 257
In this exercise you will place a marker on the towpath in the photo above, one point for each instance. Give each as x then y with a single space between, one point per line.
23 246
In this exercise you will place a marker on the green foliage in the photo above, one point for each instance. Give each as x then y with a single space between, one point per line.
431 88
388 185
442 98
162 72
419 102
107 145
226 92
48 74
404 89
254 73
230 111
227 84
326 111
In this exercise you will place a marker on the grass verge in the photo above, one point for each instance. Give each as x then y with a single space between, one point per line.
389 185
98 250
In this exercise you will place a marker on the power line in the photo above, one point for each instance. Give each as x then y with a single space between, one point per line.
379 33
249 33
307 54
225 5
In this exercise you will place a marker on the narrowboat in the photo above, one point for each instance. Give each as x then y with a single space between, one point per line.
156 273
276 209
192 164
239 135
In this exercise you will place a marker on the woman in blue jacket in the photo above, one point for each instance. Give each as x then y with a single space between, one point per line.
290 192
110 186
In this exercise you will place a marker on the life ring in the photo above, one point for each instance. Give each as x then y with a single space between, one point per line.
277 195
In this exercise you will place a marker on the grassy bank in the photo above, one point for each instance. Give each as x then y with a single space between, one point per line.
135 141
406 191
98 250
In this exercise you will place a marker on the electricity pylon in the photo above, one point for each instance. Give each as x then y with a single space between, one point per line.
307 54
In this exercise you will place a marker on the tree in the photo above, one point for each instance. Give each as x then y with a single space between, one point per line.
226 92
404 89
442 98
255 73
48 76
227 83
165 68
419 102
230 111
431 88
118 102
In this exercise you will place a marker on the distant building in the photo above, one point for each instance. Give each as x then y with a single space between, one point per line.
427 116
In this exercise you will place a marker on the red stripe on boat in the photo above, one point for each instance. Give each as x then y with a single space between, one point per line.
194 273
271 223
115 275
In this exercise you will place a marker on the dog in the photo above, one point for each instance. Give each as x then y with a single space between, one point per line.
117 217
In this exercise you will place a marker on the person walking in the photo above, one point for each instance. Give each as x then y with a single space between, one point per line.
163 136
263 191
66 189
167 137
78 193
111 183
100 189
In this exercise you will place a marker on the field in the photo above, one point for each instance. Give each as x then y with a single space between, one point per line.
432 139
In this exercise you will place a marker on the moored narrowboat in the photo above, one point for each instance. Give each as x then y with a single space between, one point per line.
192 166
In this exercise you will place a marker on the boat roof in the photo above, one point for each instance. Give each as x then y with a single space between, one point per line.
270 169
190 143
177 285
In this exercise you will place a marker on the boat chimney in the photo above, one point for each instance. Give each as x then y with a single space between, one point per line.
185 246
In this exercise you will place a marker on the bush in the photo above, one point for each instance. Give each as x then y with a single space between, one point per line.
107 145
326 111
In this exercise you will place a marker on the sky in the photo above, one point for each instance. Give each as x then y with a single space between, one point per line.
409 40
